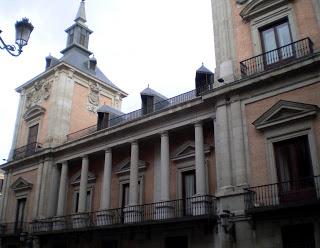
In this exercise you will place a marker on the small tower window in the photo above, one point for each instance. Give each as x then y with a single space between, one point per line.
103 120
71 35
82 40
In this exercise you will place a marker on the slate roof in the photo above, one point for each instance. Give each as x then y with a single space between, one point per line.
150 92
108 109
203 69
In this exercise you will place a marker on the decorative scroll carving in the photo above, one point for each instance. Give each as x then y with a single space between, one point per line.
93 97
40 91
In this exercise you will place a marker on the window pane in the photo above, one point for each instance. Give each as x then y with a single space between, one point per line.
284 39
269 42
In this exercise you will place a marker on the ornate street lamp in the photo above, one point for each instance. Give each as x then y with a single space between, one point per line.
23 31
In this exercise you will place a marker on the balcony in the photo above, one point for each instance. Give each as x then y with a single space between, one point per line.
182 210
26 151
13 229
276 58
284 195
138 114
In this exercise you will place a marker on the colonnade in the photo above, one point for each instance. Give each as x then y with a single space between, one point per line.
134 167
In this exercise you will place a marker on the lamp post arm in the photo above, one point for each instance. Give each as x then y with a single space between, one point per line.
10 48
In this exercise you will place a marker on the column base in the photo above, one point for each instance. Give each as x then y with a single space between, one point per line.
80 220
59 223
164 210
201 205
104 218
132 214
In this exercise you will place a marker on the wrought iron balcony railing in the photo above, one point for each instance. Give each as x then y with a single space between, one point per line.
13 228
154 213
135 115
26 151
277 57
283 194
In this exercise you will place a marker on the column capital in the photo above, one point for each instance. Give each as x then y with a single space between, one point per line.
198 123
64 162
164 133
86 156
134 142
108 150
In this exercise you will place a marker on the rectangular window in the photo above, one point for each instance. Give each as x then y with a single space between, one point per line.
277 42
188 190
82 40
76 201
298 236
21 204
294 169
32 139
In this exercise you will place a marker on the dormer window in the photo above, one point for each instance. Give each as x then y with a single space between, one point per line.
103 120
147 104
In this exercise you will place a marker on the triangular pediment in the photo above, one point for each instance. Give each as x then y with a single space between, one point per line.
259 7
34 112
75 180
187 150
21 184
285 111
124 166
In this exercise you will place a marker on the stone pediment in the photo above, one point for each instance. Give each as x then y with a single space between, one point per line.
124 166
34 112
187 150
21 185
259 7
75 180
285 111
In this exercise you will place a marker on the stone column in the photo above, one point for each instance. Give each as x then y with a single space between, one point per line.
83 184
105 217
200 165
165 169
53 190
106 186
132 213
201 202
62 189
133 193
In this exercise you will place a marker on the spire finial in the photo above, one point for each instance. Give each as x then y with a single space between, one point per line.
81 14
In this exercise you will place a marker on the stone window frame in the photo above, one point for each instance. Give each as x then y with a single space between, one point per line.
22 192
32 119
185 163
289 131
276 15
75 182
123 173
126 179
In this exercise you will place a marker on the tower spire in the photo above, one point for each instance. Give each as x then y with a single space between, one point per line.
81 14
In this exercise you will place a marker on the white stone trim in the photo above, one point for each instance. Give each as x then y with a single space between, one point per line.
125 179
287 132
268 18
76 190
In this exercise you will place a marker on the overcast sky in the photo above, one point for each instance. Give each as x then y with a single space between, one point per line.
136 43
